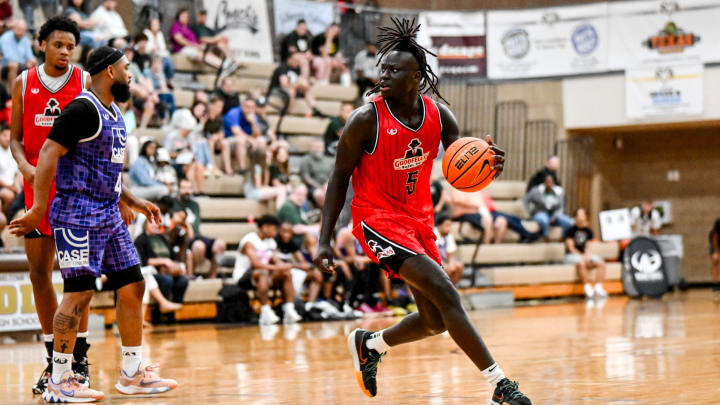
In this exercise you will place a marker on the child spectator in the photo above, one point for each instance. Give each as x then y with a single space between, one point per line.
577 238
165 172
447 247
289 252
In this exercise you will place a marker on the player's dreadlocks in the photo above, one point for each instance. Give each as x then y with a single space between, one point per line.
401 37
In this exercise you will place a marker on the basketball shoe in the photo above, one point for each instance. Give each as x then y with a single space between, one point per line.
145 381
507 392
42 382
70 389
81 368
365 361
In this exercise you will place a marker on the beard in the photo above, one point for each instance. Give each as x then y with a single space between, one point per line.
120 92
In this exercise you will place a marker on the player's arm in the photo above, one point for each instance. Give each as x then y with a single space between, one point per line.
451 133
16 135
145 207
360 131
570 245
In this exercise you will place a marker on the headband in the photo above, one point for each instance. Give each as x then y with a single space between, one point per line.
105 62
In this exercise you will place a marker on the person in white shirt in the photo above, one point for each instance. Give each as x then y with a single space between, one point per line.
10 179
258 267
646 220
447 247
367 71
109 22
156 45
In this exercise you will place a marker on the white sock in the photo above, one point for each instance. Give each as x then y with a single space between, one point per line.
288 307
48 338
493 374
131 359
62 363
83 334
377 342
265 308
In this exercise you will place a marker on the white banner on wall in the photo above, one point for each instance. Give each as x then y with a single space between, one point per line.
547 41
458 40
17 304
663 31
247 25
664 90
318 16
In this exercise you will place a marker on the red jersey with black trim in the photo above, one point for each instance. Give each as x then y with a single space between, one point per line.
40 108
395 175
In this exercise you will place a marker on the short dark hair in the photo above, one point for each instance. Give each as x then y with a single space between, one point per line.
440 218
58 23
180 11
4 126
215 98
144 147
202 11
267 220
301 21
140 37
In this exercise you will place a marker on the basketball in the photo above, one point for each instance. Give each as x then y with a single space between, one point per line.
467 164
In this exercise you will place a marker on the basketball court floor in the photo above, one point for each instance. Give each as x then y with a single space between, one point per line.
619 351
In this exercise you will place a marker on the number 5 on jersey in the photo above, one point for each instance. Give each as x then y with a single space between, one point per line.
411 180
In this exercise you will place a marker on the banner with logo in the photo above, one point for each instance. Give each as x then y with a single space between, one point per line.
547 41
644 268
458 40
317 15
247 25
664 90
663 31
17 304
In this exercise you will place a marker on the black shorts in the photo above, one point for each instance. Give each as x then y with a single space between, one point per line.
115 280
209 254
36 234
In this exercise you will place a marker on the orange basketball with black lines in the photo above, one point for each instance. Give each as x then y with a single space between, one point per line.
467 164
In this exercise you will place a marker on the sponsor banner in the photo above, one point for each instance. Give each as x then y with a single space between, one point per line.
664 90
663 31
458 40
17 304
643 263
247 25
318 16
615 224
547 41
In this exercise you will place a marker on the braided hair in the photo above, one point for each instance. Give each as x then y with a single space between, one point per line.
401 37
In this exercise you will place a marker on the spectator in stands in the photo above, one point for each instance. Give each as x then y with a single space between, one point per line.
714 239
646 220
152 290
258 267
291 80
546 205
6 13
473 208
577 239
158 46
154 250
328 59
280 166
109 23
315 169
49 8
76 12
184 42
209 37
243 132
142 89
142 174
162 88
180 233
17 55
447 247
335 128
228 94
262 119
185 146
165 173
289 252
141 57
367 72
202 247
551 167
295 211
215 133
296 41
10 178
203 153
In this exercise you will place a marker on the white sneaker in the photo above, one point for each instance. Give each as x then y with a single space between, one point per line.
328 308
600 291
589 292
291 316
268 317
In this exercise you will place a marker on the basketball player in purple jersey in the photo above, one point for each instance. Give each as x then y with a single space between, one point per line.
86 149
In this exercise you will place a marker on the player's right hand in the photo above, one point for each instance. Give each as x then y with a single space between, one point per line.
324 259
27 223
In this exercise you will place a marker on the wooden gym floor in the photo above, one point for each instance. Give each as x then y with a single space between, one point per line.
624 352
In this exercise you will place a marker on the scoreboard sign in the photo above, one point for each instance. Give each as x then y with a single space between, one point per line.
17 304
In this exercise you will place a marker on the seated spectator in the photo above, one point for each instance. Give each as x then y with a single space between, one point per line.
315 170
577 239
154 250
165 173
290 80
262 120
280 166
141 57
228 94
209 37
646 220
550 168
715 255
109 23
258 267
215 133
86 24
546 205
335 128
158 46
162 89
203 153
142 174
16 52
327 58
184 42
296 41
202 247
185 145
289 252
294 212
153 290
447 247
243 132
142 89
10 178
473 209
6 13
367 71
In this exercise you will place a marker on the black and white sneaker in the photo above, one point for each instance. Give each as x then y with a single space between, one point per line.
42 382
365 361
507 392
81 366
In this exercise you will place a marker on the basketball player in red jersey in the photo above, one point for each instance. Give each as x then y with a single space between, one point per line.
388 147
38 96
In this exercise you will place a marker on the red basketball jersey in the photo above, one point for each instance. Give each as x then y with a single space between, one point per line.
395 175
40 108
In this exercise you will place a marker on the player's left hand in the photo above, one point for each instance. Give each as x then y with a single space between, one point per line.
126 213
150 210
499 157
27 223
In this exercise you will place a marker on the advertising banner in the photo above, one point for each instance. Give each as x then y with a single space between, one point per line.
247 25
664 90
458 40
17 304
318 16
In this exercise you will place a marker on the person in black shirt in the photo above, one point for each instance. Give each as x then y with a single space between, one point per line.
335 128
327 57
551 167
715 254
155 250
141 57
298 40
228 94
289 252
291 79
576 239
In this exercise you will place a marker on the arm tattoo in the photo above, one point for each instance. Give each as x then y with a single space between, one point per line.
64 323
